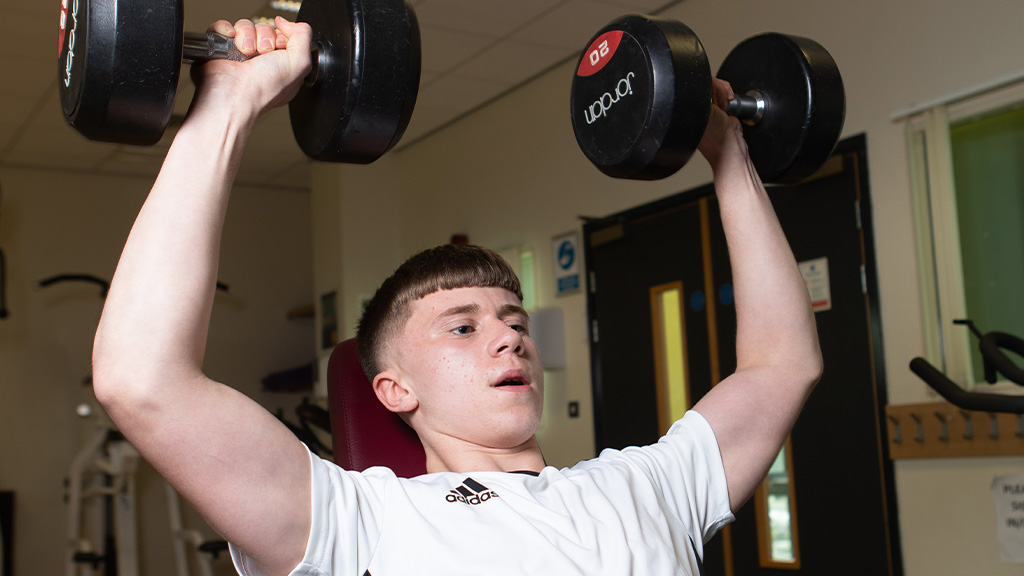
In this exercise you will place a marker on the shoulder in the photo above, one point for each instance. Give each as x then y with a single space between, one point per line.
686 460
334 486
690 435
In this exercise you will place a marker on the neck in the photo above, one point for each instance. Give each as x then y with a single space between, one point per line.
450 458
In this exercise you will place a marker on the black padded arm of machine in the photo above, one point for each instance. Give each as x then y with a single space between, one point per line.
977 401
995 362
991 345
103 284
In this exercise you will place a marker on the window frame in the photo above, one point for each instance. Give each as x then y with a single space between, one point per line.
936 227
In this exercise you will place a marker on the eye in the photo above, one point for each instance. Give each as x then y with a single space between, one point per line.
521 328
462 330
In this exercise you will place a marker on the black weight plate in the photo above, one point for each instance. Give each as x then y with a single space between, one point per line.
367 81
805 103
119 64
641 97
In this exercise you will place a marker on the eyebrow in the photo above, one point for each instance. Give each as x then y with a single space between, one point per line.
512 310
459 310
503 312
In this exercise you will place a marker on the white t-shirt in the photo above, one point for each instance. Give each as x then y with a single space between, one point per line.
642 510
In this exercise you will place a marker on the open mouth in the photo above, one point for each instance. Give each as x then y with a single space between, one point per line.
512 380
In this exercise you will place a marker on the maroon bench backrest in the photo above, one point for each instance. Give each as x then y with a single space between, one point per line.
363 431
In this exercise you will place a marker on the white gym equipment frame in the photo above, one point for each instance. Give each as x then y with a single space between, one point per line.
105 467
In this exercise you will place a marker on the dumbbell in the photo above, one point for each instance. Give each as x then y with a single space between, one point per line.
641 99
120 61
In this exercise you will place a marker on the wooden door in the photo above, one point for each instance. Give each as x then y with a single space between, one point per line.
836 477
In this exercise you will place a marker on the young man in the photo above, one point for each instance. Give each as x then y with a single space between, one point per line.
452 354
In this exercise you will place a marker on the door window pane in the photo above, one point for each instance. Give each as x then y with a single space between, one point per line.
776 514
669 353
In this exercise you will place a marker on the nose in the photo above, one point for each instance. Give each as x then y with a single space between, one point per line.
506 340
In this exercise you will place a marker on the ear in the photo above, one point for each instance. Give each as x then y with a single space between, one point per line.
393 393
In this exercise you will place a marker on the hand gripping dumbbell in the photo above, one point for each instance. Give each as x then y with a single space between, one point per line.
120 61
641 99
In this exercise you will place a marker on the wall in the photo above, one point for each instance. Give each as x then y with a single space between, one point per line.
511 174
58 223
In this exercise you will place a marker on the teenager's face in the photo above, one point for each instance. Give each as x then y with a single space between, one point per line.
467 356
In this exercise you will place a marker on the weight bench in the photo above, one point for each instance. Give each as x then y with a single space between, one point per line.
365 433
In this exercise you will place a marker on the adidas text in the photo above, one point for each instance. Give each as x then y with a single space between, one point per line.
472 500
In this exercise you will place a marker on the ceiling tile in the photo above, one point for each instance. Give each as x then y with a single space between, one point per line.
131 162
258 166
424 121
641 6
428 77
25 77
16 110
446 49
50 114
274 130
459 94
36 9
571 25
31 38
60 149
510 62
295 175
494 18
8 131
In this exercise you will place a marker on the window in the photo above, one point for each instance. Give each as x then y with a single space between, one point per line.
775 508
967 176
520 258
670 369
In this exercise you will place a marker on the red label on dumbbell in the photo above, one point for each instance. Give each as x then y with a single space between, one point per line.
63 26
611 96
599 53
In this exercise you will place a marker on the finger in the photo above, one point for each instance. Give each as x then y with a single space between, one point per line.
266 38
245 36
222 27
285 27
290 29
298 34
722 93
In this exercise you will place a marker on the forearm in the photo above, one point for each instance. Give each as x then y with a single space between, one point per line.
775 326
157 312
777 354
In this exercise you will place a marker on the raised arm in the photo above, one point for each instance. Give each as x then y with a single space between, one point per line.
240 467
777 354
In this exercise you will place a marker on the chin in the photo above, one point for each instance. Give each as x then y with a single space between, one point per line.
521 435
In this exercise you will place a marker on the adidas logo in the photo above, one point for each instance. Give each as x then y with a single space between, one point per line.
471 492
